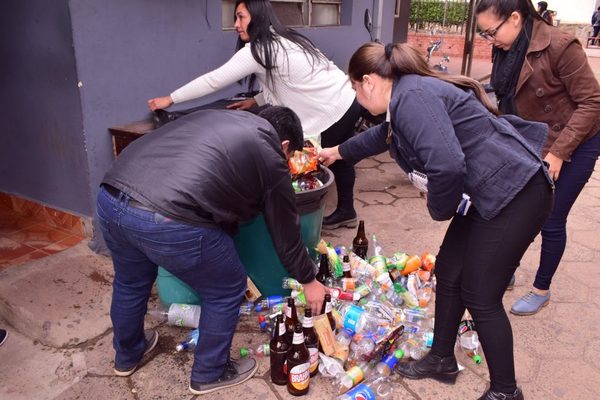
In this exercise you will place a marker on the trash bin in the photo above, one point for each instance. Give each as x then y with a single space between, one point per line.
173 290
256 250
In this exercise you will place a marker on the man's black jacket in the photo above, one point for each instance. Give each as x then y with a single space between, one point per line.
217 168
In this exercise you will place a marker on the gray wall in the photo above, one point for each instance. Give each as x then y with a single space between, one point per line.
42 149
125 52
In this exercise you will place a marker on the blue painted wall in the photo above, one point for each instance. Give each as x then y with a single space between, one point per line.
55 145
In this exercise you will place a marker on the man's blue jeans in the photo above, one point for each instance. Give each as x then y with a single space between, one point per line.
204 258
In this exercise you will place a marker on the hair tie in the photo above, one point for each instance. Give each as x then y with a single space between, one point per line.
388 50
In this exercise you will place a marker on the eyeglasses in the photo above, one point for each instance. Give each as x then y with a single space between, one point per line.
490 34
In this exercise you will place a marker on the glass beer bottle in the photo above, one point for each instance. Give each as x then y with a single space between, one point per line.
360 244
311 341
298 365
279 349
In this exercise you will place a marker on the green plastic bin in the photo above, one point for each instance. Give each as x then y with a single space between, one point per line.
256 250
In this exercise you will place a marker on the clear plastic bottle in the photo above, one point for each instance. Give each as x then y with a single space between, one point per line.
291 283
468 341
361 348
387 363
184 315
268 302
357 319
353 376
190 342
246 308
375 388
262 350
414 348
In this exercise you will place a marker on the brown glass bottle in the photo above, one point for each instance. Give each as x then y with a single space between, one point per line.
326 309
324 273
360 244
279 349
346 266
291 319
312 341
298 365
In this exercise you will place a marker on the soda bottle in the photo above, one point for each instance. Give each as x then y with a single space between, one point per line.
372 389
324 274
387 363
266 303
311 341
291 319
358 320
346 267
353 376
278 353
246 308
298 365
413 348
327 310
291 283
361 348
360 244
184 315
468 340
263 350
190 342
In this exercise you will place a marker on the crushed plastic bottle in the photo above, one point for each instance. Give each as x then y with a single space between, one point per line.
190 342
262 350
184 315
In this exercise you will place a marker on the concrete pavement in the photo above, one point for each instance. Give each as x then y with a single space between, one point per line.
56 310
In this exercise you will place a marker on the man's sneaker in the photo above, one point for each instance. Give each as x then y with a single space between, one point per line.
340 218
150 340
3 336
511 284
236 372
530 304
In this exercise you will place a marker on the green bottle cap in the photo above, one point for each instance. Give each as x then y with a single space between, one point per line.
244 352
477 358
399 354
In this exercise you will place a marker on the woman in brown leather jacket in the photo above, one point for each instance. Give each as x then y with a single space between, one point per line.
542 74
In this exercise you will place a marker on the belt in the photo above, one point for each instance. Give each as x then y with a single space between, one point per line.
114 192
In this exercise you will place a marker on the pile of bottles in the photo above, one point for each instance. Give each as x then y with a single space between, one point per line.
379 312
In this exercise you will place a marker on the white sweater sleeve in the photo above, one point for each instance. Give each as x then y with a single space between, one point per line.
238 67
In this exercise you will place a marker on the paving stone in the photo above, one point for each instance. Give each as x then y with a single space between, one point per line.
581 382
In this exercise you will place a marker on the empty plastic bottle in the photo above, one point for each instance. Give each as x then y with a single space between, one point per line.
468 340
361 348
262 350
184 315
414 348
353 376
387 363
357 319
372 389
291 283
190 342
266 303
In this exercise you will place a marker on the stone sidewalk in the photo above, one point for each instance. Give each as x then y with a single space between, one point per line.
56 311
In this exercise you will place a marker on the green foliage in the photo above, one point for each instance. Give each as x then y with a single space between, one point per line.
428 12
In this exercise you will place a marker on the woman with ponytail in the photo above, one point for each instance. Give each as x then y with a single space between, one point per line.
542 74
480 171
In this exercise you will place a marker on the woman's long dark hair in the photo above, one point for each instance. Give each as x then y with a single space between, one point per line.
504 8
402 59
263 29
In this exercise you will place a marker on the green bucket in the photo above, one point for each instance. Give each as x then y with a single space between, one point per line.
256 250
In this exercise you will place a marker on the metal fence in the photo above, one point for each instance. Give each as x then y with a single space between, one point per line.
449 16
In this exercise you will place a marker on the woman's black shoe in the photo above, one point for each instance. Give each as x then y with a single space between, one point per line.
340 218
443 369
491 395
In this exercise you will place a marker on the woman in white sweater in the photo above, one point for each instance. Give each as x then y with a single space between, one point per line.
291 72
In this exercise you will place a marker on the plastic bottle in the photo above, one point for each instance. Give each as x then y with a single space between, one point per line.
278 353
413 348
360 244
372 389
361 348
262 350
387 363
184 315
353 376
266 303
190 342
291 283
468 340
357 319
246 308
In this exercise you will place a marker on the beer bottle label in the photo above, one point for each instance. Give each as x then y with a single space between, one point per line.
308 322
298 338
299 376
314 358
327 307
282 329
362 392
352 316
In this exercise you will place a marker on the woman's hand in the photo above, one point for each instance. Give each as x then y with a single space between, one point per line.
242 105
315 294
159 103
554 167
329 155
